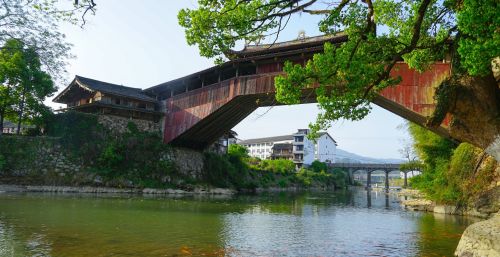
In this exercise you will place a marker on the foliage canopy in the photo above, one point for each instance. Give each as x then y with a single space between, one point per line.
23 84
380 34
36 24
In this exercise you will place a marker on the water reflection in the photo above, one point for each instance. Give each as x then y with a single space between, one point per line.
368 198
346 223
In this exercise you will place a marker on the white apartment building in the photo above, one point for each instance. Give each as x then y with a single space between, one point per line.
305 151
326 148
262 147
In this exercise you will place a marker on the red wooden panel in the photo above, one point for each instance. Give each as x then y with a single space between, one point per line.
415 93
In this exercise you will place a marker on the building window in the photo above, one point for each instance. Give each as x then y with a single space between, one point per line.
299 139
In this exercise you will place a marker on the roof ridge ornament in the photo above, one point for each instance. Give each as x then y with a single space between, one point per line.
301 35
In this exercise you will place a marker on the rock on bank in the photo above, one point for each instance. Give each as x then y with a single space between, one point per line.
481 239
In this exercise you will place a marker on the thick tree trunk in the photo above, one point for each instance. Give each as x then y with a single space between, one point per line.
21 111
475 112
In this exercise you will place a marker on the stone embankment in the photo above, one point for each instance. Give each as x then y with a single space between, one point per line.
481 239
484 208
111 190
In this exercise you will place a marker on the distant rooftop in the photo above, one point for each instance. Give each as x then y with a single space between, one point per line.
279 138
266 140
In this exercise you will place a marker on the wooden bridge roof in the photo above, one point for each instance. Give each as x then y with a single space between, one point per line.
297 44
251 54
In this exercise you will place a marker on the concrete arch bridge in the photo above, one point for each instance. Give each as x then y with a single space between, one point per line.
370 168
201 107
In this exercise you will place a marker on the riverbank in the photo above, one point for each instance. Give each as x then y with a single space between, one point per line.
485 207
152 191
111 190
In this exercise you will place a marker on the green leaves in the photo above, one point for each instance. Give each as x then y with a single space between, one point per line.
479 25
344 78
217 25
23 85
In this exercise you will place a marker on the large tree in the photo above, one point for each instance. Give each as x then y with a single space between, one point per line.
380 33
35 23
23 84
34 52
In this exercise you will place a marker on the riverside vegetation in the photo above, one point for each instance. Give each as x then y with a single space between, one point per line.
454 174
97 156
237 169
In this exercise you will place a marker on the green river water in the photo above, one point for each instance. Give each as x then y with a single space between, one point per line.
348 223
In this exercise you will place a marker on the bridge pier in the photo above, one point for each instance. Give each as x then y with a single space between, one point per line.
368 180
386 180
350 173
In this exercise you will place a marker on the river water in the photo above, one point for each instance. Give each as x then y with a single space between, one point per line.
348 223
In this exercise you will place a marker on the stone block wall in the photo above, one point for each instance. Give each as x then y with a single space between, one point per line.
119 124
44 161
188 162
36 158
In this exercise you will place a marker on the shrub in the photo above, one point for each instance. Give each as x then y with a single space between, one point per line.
226 171
238 151
318 166
280 166
340 178
2 162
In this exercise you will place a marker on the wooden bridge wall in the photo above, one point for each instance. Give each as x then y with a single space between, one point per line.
197 118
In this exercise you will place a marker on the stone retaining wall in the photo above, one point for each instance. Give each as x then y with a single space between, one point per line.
119 124
38 156
188 161
44 161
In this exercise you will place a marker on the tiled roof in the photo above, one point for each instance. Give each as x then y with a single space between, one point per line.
251 50
266 140
105 87
114 89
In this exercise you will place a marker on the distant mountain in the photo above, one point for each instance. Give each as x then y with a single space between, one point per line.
345 156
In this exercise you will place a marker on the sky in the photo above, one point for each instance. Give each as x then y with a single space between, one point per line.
140 44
